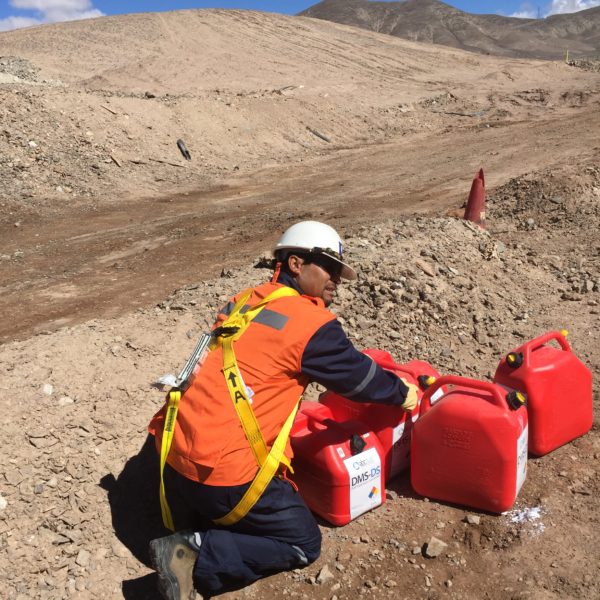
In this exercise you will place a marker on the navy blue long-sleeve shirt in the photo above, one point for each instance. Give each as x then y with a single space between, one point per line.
330 359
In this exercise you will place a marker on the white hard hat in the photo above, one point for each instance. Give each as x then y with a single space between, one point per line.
316 238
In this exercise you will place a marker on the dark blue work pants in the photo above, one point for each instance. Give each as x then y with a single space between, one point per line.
278 534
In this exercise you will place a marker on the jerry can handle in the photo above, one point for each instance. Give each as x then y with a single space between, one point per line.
528 347
394 367
474 384
313 414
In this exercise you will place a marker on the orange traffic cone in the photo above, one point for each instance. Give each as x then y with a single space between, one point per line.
475 210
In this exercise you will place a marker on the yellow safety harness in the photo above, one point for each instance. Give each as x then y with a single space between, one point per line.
268 460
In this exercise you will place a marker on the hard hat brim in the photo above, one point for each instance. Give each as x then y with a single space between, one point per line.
347 271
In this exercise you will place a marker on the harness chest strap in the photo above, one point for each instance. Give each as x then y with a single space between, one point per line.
268 461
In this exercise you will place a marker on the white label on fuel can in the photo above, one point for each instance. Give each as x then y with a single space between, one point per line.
522 458
398 432
364 471
400 450
437 395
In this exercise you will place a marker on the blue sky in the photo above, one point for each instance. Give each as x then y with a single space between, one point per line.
23 13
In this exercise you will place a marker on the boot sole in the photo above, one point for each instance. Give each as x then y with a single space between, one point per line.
168 585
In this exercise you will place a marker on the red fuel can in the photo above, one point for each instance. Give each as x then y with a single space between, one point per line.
470 448
337 466
558 388
391 424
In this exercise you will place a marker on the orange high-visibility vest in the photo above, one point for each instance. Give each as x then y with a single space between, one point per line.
209 444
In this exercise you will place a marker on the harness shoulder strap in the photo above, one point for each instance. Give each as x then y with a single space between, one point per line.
233 378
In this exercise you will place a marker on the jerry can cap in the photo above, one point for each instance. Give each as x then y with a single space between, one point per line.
516 399
357 444
514 359
425 380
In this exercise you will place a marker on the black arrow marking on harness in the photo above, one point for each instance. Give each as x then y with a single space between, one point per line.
232 379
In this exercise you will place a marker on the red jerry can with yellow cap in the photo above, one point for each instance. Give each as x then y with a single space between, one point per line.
391 424
558 388
338 467
470 447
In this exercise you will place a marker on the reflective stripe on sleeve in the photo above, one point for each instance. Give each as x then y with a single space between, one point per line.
364 383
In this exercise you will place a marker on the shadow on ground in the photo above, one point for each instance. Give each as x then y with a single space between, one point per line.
136 518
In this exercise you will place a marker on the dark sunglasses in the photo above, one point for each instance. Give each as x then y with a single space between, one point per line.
326 263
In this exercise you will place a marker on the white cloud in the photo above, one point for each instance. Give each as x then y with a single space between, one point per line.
49 11
17 22
570 6
556 7
525 14
526 11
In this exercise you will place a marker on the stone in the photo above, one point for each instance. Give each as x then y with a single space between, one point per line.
325 575
473 519
13 477
48 389
83 558
65 401
425 267
435 547
3 502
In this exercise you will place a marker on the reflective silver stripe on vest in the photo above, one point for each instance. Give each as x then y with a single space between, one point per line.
267 317
364 383
226 310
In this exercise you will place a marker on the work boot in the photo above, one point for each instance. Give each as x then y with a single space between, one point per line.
173 557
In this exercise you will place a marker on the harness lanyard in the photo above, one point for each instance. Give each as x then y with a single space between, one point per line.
268 461
165 446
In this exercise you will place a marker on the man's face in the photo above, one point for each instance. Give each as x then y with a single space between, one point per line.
317 275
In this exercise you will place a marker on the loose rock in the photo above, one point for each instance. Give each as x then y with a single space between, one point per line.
435 547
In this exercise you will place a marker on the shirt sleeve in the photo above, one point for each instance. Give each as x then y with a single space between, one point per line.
330 359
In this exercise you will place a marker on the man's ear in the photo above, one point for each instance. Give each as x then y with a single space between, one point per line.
294 263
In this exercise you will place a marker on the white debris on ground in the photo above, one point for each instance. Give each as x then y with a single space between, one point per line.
528 515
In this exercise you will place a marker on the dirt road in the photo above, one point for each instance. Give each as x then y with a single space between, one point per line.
75 264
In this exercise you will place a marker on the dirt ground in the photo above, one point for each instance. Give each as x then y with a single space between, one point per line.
115 253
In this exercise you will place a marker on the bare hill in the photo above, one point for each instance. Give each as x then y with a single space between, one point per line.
434 22
91 110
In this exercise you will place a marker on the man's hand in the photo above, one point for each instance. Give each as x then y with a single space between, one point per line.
411 400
